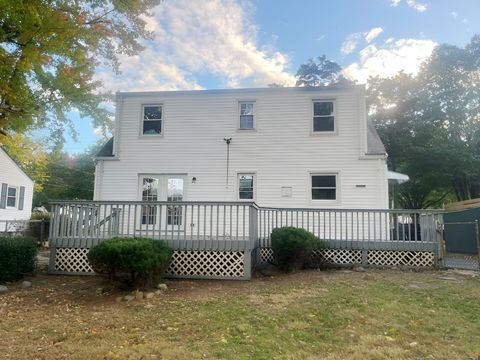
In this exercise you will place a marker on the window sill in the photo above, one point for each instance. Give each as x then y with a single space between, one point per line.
323 133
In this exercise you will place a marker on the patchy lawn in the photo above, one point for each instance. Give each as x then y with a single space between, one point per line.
333 315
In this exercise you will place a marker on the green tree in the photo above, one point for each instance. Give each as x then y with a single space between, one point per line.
49 50
70 177
430 125
320 72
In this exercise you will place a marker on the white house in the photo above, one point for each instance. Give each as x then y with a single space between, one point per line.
16 190
280 147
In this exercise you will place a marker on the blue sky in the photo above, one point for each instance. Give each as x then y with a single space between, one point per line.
237 43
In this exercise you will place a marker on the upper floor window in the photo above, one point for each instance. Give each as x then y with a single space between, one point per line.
246 115
152 119
245 186
324 187
323 116
12 196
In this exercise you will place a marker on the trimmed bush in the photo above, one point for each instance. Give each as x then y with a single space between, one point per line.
142 260
18 256
293 247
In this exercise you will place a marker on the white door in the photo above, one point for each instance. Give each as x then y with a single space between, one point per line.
169 188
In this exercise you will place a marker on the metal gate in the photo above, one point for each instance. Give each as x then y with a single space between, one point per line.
462 244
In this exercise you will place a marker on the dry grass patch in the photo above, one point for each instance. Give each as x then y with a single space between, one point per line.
308 315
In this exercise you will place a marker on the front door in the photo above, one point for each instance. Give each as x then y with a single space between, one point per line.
171 188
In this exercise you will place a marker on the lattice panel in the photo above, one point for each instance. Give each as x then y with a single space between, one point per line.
266 255
407 258
72 260
207 264
341 256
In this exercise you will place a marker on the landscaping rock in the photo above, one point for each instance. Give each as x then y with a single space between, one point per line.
149 295
158 292
359 269
3 289
129 298
139 295
162 286
26 284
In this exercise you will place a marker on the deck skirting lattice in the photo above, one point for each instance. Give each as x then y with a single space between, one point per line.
401 258
72 260
184 264
211 264
373 257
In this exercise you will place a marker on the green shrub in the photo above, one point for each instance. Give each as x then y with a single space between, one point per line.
142 260
18 256
293 247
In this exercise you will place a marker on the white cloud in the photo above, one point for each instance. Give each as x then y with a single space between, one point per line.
420 7
454 14
214 37
351 41
400 55
373 33
414 4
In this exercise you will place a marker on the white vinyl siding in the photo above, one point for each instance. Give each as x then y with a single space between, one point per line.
281 151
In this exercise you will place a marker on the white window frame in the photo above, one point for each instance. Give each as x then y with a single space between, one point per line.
334 114
142 120
239 112
254 190
337 187
16 197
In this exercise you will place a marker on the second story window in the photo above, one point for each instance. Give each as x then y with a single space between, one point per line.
12 196
152 120
323 116
246 115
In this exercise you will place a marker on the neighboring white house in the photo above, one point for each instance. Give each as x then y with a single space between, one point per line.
16 190
290 147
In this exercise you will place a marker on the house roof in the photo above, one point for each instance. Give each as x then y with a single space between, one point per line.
107 149
15 162
374 143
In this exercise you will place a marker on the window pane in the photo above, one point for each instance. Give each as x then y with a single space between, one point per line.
152 127
152 112
246 181
150 189
11 201
246 122
323 123
246 109
12 191
323 194
246 194
323 181
175 190
323 108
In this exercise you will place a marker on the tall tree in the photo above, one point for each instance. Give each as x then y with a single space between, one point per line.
49 50
430 125
320 72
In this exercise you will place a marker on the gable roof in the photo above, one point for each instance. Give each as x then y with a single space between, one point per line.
19 166
374 143
107 149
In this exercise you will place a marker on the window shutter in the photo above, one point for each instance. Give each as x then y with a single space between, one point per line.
3 196
22 196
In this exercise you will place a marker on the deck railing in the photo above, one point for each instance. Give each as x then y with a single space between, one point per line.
183 225
361 229
240 225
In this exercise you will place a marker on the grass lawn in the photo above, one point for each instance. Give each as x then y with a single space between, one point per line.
379 314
